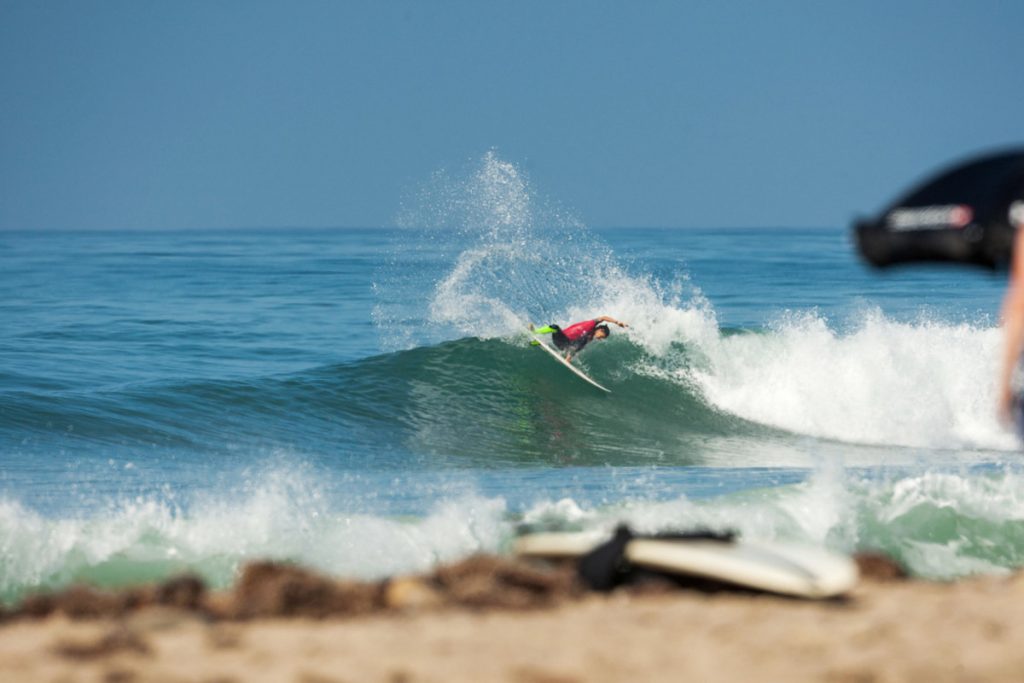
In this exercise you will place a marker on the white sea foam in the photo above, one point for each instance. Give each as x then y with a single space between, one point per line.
921 384
526 259
529 261
939 524
924 384
286 517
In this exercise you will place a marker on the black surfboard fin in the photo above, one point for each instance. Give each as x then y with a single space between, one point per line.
606 566
967 213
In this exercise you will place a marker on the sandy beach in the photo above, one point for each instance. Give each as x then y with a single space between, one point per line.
886 630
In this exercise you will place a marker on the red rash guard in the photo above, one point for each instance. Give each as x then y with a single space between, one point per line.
580 330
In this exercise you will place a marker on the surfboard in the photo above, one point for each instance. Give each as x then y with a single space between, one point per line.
557 356
781 568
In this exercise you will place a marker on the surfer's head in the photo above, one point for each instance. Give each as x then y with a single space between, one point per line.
601 332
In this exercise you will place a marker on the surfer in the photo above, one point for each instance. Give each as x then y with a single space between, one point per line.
572 339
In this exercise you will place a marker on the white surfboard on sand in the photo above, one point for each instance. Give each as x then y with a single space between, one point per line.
561 359
782 568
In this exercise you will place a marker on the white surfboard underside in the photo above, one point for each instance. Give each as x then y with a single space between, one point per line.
557 356
783 568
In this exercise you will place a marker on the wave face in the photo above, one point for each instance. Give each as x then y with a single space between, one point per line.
493 402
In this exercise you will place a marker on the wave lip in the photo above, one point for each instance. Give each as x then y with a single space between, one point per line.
489 402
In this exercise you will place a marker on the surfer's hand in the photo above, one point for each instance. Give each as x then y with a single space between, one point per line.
621 324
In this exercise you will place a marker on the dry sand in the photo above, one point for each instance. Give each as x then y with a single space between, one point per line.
918 631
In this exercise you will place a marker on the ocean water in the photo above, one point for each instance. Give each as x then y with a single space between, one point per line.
365 401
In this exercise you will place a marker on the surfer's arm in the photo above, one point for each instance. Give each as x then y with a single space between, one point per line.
1013 327
613 321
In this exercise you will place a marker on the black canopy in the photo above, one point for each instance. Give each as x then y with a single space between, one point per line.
968 213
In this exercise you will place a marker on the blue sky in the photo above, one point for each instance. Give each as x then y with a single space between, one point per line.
151 115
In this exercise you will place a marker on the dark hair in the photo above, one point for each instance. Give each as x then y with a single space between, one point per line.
607 332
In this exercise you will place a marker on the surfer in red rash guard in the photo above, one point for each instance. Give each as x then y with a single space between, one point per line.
573 338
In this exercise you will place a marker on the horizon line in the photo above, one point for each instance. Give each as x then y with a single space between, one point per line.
325 228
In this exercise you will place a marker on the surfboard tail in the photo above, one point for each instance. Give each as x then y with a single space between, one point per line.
573 369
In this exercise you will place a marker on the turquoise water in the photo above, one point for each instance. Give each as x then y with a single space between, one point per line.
366 402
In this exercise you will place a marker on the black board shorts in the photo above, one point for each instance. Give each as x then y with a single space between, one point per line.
562 342
559 339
